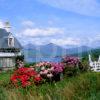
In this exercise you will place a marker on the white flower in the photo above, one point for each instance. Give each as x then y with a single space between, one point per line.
42 68
49 69
49 75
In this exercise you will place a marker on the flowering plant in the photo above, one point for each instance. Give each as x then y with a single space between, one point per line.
25 77
71 65
48 70
71 60
44 69
57 67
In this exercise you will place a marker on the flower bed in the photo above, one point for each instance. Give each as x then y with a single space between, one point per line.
45 72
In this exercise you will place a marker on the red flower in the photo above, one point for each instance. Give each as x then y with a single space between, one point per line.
26 83
37 78
14 78
24 76
32 73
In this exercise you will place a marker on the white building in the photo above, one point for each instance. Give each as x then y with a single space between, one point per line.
10 48
94 65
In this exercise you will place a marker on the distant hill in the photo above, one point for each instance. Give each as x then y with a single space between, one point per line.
94 52
52 50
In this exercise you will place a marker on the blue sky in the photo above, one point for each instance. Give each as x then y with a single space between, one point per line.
63 22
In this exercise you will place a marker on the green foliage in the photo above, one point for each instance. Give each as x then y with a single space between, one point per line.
21 58
2 94
94 52
70 71
29 64
84 66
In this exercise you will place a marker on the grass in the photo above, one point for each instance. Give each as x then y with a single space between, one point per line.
86 86
5 77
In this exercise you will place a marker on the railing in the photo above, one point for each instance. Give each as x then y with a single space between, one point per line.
95 66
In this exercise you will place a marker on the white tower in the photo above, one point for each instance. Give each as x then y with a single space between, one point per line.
90 60
99 59
7 26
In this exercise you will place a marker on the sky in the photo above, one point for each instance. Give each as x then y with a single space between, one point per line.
63 22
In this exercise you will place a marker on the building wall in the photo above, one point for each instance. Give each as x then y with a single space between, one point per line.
7 62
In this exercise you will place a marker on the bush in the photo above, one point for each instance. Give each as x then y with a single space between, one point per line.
83 66
49 71
70 71
71 67
29 64
24 77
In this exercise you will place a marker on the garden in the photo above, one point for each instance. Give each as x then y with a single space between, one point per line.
70 79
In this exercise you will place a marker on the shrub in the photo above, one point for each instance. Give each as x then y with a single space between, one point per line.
29 64
84 66
71 65
49 71
25 77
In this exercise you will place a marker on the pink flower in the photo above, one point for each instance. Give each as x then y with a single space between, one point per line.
45 71
52 68
41 72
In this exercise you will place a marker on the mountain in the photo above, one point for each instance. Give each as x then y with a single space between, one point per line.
52 50
49 50
78 50
70 46
30 46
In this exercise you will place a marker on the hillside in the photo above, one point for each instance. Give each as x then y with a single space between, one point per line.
94 52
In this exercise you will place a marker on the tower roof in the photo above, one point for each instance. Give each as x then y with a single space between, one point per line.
4 40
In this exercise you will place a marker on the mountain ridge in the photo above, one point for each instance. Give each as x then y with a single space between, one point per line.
52 50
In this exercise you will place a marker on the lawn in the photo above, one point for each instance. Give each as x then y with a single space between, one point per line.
85 86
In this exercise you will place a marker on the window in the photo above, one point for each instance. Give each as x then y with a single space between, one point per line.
10 41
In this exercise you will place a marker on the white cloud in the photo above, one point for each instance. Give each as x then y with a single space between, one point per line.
28 23
38 32
85 7
1 24
94 39
46 35
66 41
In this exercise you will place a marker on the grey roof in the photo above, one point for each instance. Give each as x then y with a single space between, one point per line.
4 40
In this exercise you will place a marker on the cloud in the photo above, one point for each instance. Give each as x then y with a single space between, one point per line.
28 23
56 35
41 32
62 41
1 24
66 41
94 39
84 7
